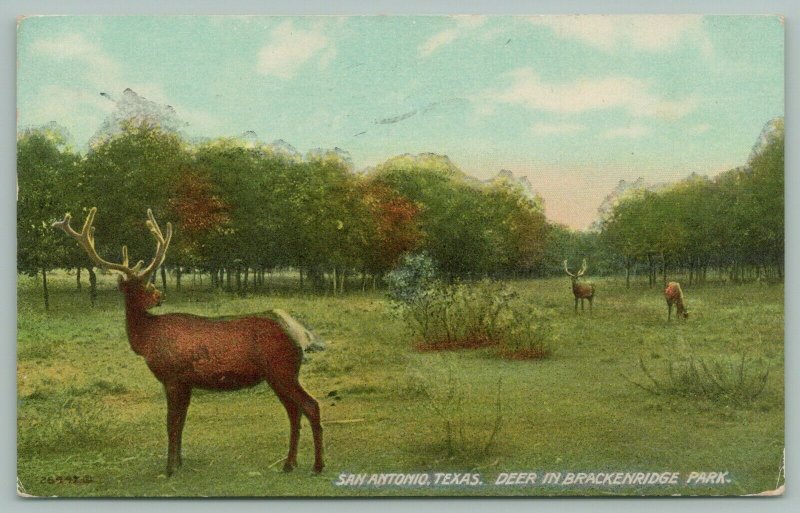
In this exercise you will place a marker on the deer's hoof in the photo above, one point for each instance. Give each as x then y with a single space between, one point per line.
288 467
318 467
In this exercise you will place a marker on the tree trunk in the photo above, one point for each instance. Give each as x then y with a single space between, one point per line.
246 278
44 289
78 278
92 285
178 278
334 281
164 279
627 273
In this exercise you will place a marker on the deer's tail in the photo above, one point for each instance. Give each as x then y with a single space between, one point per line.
301 335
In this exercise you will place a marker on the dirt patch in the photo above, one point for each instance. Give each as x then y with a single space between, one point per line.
451 345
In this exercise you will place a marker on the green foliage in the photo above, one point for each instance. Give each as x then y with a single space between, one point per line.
46 178
456 315
733 221
734 380
462 435
571 411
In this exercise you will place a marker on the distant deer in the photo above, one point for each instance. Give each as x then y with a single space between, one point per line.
581 290
186 351
674 296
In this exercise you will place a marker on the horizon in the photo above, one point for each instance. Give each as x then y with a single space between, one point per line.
573 103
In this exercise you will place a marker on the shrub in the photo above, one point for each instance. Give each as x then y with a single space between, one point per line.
465 315
461 433
733 380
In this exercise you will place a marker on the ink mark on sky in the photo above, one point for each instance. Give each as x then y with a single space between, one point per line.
424 110
395 119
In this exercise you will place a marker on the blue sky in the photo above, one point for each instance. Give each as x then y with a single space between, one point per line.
575 103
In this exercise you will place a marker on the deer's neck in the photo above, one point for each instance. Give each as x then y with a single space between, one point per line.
138 322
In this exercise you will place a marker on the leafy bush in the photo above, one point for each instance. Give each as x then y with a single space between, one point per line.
465 315
734 380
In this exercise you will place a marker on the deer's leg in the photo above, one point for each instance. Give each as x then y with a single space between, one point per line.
310 408
178 397
293 411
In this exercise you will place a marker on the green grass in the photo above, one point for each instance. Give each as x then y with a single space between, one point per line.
91 417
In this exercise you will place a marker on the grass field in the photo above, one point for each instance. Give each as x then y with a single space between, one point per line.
91 417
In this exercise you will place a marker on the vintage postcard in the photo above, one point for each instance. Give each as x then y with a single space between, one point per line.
357 256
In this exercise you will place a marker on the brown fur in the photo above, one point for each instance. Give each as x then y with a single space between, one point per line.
186 351
674 296
582 291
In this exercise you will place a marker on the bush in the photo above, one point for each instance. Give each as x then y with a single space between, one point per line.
461 433
735 380
465 315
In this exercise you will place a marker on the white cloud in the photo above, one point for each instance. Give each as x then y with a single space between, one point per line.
634 95
101 69
290 48
464 25
626 132
652 33
80 111
557 128
701 128
440 39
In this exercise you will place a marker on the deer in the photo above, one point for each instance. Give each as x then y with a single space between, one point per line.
581 290
674 296
185 351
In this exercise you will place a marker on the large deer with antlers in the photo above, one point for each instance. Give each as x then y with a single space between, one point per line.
581 290
186 351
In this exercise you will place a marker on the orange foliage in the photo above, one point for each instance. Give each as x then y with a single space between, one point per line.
195 206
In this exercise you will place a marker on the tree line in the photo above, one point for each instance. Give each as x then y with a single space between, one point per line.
732 223
241 209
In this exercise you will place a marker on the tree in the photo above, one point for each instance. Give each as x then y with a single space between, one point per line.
45 177
124 175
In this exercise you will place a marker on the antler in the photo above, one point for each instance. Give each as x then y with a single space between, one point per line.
583 268
567 269
86 240
162 243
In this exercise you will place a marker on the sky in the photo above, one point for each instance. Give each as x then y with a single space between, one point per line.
574 103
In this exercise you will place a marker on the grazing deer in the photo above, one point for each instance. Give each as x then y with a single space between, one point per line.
674 296
186 351
581 290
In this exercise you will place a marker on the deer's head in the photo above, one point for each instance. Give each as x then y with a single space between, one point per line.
574 277
134 281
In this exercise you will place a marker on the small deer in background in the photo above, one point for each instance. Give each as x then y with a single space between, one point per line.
186 351
674 296
581 290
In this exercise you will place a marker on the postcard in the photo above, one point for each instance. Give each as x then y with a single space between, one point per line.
361 256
